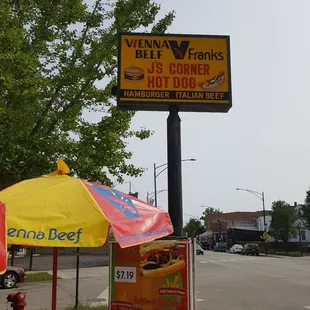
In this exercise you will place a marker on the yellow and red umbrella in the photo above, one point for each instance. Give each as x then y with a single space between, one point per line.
3 246
57 210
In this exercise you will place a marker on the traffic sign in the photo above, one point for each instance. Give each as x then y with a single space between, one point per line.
265 235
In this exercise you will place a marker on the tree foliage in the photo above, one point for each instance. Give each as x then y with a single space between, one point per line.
194 228
206 216
283 221
306 210
208 211
58 59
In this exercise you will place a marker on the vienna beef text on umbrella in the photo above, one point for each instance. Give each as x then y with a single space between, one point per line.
57 210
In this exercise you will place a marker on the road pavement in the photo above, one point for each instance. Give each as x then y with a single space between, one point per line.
235 282
223 281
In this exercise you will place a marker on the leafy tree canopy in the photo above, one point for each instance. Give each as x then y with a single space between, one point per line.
306 210
283 221
53 53
194 228
207 212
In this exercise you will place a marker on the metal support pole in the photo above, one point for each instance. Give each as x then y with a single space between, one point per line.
54 283
175 207
299 228
220 226
77 278
265 224
264 211
31 259
155 186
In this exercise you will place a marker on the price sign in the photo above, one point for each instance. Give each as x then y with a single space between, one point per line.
125 274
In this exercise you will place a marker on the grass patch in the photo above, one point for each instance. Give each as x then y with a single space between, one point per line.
38 277
88 308
292 254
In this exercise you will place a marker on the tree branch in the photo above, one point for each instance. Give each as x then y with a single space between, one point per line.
71 66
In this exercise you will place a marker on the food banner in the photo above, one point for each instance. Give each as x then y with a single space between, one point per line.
3 246
152 276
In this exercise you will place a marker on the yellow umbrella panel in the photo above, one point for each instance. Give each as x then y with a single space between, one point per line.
55 211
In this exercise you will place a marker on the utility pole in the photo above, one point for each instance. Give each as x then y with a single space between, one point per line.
261 196
155 185
299 228
175 206
220 225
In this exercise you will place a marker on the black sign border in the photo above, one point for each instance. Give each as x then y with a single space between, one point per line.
203 106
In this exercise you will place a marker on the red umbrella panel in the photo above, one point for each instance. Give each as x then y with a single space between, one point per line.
133 221
3 245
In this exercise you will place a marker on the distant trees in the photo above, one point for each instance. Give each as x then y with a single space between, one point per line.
207 212
283 221
306 210
194 228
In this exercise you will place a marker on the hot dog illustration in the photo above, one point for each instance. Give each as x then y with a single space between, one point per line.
214 83
158 260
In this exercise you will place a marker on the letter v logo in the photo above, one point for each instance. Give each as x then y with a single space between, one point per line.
178 51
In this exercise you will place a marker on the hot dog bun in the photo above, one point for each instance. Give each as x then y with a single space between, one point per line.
148 249
160 272
211 85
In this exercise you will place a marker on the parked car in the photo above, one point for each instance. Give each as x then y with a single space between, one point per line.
250 248
12 276
205 245
199 250
220 247
236 248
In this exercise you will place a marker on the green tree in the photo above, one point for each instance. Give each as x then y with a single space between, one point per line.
208 211
58 60
194 227
283 221
306 210
206 216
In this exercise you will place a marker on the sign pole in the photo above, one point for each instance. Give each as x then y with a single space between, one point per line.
175 207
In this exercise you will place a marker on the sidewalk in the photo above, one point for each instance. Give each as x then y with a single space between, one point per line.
68 274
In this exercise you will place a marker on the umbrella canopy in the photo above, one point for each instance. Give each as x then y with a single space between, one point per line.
61 211
3 246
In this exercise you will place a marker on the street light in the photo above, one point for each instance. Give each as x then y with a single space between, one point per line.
149 196
157 174
261 196
193 216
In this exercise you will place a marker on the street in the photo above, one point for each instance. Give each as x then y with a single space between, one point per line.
235 282
224 281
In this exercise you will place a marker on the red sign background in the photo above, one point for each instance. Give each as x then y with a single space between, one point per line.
164 292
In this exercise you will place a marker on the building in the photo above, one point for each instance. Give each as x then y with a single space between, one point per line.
237 226
242 226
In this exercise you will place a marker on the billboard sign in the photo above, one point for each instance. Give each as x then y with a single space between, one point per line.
190 71
155 275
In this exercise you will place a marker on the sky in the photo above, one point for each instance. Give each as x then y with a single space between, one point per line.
262 142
